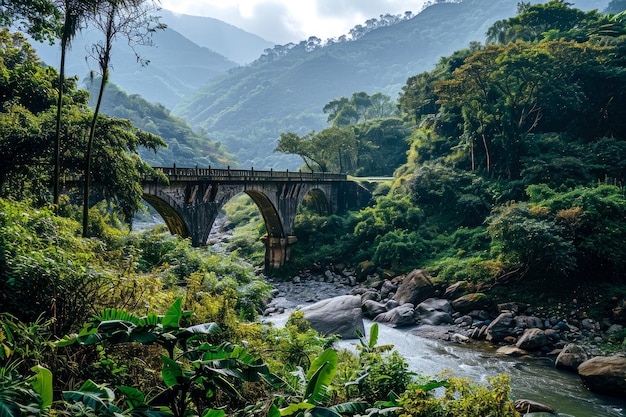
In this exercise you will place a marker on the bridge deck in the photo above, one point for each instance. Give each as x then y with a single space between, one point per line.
195 174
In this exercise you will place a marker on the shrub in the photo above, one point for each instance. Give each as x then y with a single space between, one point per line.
461 398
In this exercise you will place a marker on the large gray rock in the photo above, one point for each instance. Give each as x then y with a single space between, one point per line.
469 302
434 311
399 316
501 327
456 290
570 358
415 288
339 315
532 339
605 375
373 308
388 288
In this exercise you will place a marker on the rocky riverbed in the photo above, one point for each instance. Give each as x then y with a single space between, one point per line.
335 302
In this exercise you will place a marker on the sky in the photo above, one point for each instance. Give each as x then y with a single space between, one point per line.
284 21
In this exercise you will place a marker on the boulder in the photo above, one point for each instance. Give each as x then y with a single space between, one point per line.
511 350
339 315
399 316
570 358
388 288
605 375
501 327
469 302
434 311
415 288
456 290
370 295
373 308
532 339
528 406
529 322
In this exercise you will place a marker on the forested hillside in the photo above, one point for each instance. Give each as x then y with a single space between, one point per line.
286 89
516 170
176 66
185 146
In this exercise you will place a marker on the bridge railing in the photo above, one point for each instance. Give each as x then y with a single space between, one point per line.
247 174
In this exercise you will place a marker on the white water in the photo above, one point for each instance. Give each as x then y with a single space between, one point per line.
532 379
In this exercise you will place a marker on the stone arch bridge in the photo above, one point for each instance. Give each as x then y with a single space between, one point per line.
193 198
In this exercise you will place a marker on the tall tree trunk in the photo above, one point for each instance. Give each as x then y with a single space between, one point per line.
487 153
104 68
57 137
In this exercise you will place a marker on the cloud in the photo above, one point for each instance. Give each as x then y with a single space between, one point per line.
284 21
274 22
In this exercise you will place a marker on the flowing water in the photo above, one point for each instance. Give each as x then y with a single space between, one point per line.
532 379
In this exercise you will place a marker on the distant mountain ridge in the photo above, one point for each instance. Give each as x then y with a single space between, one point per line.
250 107
230 41
177 67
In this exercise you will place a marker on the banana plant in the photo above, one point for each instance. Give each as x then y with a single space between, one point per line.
315 397
98 399
193 371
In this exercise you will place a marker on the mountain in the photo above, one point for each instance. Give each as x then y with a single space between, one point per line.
186 147
248 109
230 41
285 90
177 66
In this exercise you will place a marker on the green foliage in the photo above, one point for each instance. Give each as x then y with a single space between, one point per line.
462 398
27 126
17 397
316 384
359 108
193 370
531 243
44 268
377 374
594 223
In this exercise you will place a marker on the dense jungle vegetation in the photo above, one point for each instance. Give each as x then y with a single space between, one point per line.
515 171
514 178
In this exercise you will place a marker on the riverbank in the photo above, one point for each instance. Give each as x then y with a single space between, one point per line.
431 350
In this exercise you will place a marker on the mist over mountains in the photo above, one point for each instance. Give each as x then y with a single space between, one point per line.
245 92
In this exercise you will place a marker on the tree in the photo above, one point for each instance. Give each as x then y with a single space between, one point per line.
382 146
534 21
38 18
616 6
74 15
331 149
128 18
508 91
360 107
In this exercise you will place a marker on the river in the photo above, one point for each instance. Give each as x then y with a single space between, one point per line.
533 379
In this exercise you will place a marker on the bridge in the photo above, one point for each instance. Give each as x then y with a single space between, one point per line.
193 198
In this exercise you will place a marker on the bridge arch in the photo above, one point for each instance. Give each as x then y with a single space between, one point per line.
269 213
316 198
169 212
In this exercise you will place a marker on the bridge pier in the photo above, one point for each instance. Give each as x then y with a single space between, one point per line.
277 251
